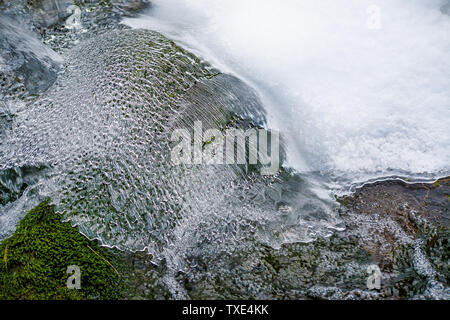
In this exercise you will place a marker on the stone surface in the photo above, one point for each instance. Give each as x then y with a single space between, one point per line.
48 12
400 227
131 7
26 65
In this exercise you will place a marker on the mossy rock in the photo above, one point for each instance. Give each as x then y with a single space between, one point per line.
35 259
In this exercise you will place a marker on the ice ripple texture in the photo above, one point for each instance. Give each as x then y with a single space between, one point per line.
102 133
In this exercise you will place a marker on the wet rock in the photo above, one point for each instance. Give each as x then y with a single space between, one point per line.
48 12
36 14
400 227
26 65
41 16
92 19
131 7
291 272
13 182
18 193
405 229
409 205
5 118
144 279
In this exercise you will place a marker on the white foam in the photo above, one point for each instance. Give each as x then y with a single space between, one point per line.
352 101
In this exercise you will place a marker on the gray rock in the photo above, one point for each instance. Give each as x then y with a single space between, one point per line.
41 13
49 12
26 65
131 7
5 118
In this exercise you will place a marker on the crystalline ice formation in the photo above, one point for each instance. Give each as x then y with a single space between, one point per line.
104 131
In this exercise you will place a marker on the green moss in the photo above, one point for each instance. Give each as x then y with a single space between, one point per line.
436 184
35 258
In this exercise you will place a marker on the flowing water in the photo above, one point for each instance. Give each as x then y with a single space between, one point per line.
355 101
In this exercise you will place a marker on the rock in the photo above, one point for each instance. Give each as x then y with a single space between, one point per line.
26 65
400 227
13 182
61 24
48 12
36 14
131 7
398 200
5 118
405 228
115 108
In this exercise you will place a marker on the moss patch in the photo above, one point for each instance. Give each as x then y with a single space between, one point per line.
34 261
